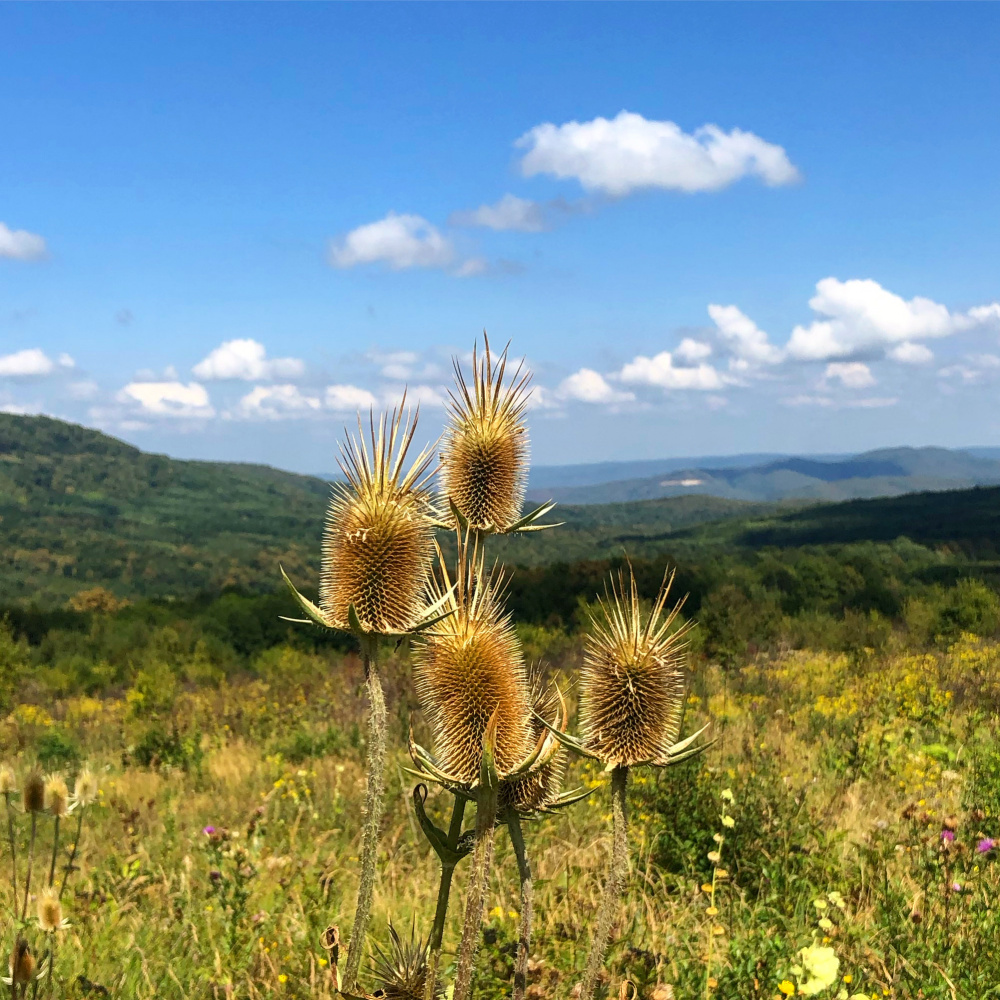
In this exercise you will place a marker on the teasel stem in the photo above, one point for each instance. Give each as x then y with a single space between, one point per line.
444 894
374 801
72 854
31 861
482 862
55 852
614 883
13 849
527 904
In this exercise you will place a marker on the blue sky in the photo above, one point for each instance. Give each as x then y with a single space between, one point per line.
710 228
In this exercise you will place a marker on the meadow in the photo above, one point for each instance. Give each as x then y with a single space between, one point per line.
859 788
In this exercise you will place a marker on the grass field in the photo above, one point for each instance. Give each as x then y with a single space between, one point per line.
864 788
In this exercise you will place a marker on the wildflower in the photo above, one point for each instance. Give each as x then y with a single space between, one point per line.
818 970
714 856
8 781
838 900
787 988
50 916
820 904
208 831
727 796
825 923
56 796
728 822
85 790
985 845
947 836
34 793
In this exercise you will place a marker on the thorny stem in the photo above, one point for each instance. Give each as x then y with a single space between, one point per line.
72 854
13 852
527 904
31 859
614 884
444 893
373 815
55 852
482 859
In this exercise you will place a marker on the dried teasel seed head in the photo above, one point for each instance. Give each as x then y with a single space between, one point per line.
34 792
378 544
484 463
49 910
22 962
86 788
8 780
632 683
56 795
469 666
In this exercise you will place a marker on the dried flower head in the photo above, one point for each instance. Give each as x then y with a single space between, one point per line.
56 795
8 780
85 790
484 463
34 792
632 683
402 972
470 666
50 916
22 962
378 542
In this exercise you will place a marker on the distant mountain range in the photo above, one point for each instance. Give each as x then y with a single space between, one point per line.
763 478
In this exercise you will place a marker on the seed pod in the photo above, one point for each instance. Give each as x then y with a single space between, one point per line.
49 910
632 682
378 543
56 795
469 666
484 463
34 792
8 781
22 962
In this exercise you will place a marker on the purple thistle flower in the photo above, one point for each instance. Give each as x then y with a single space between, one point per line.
986 845
208 831
948 835
956 886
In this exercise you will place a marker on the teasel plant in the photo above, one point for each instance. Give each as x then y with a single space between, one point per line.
378 547
632 689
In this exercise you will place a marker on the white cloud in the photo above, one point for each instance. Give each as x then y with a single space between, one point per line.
909 353
345 398
852 374
395 364
693 351
168 399
276 402
400 241
19 244
743 337
588 386
661 371
867 403
861 315
629 153
247 360
471 267
426 396
29 362
510 212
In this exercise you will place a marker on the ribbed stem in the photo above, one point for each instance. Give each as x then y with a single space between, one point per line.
31 861
374 800
72 854
13 849
527 904
482 861
444 894
55 852
614 884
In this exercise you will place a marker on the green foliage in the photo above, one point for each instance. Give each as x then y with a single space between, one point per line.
57 750
159 747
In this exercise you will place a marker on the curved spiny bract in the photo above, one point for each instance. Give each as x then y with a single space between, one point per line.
468 667
484 464
632 683
378 541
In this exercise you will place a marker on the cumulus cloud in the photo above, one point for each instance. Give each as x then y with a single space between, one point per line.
861 315
276 402
31 362
588 386
851 374
247 360
168 399
19 244
426 396
693 351
510 212
399 241
662 372
743 338
346 398
909 353
630 153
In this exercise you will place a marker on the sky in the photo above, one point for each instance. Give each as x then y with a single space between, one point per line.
709 229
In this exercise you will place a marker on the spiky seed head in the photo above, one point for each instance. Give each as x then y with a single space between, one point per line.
469 666
540 787
484 463
22 962
402 972
378 544
85 789
56 795
632 683
49 910
8 780
34 792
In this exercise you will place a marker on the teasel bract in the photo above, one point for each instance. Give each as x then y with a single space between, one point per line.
377 552
484 462
631 707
